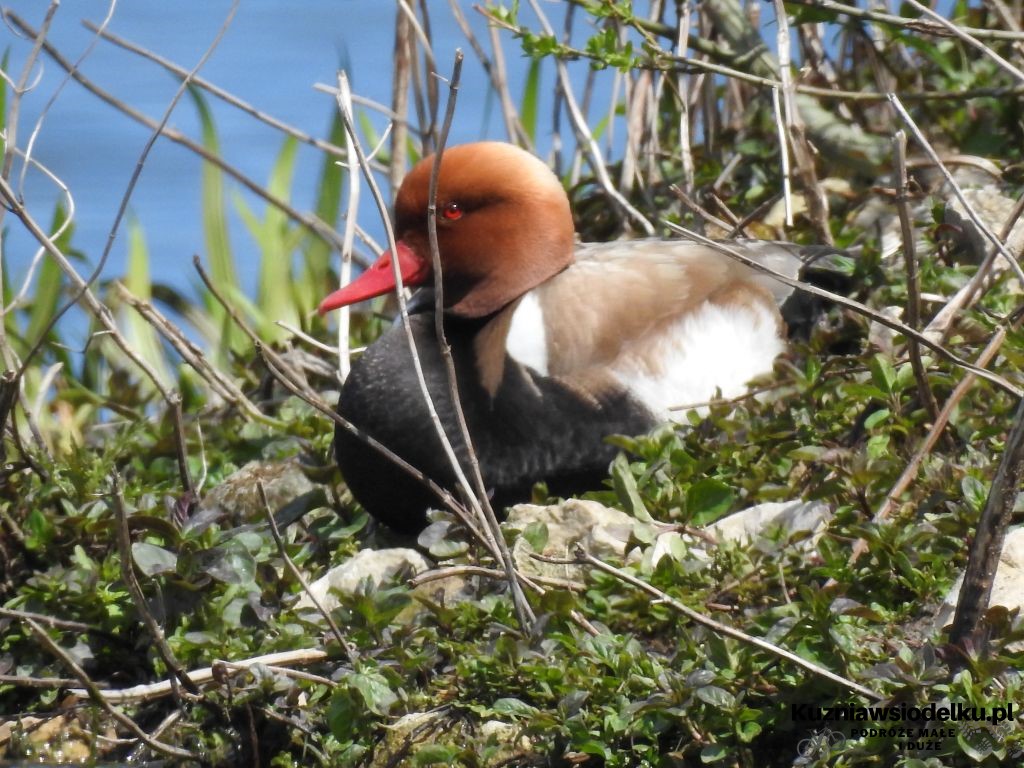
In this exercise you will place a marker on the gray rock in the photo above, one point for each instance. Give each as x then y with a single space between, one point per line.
757 522
1007 587
238 499
601 530
367 571
417 729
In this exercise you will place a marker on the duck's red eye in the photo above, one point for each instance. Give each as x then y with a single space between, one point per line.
452 212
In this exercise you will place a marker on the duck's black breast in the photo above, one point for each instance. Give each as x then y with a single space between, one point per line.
533 429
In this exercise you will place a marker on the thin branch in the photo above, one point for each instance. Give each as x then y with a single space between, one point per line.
964 36
496 73
586 138
902 22
350 651
987 545
128 577
310 221
487 517
217 91
57 91
122 208
222 385
100 696
207 675
924 390
464 485
909 473
971 213
344 101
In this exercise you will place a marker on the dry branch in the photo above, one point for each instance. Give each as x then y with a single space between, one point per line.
983 559
206 675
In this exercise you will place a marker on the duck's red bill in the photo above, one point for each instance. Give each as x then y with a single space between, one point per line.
379 279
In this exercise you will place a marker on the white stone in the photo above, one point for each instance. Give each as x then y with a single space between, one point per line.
1007 587
366 571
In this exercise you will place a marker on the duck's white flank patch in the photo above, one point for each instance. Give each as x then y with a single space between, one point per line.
714 348
527 341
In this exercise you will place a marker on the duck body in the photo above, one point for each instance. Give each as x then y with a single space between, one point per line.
555 345
532 428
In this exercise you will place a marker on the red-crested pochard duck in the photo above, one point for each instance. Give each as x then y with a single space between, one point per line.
556 345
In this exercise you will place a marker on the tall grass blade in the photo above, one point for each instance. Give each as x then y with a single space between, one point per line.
277 241
531 98
314 277
49 283
219 255
140 334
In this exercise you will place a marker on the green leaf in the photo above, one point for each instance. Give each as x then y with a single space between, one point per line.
883 374
713 753
49 283
277 242
153 560
807 453
536 535
975 492
513 707
877 418
626 489
374 690
716 697
229 564
434 754
342 715
141 335
878 446
528 105
707 500
220 260
38 529
317 254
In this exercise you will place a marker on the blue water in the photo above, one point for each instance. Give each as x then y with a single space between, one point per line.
272 56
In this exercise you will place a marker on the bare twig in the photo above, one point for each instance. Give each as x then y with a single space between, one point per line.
909 473
987 546
14 108
971 213
124 546
350 650
803 154
924 390
85 294
463 482
156 131
222 385
310 221
345 275
57 91
206 675
961 34
297 385
487 517
942 323
902 22
100 696
220 93
496 72
586 138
